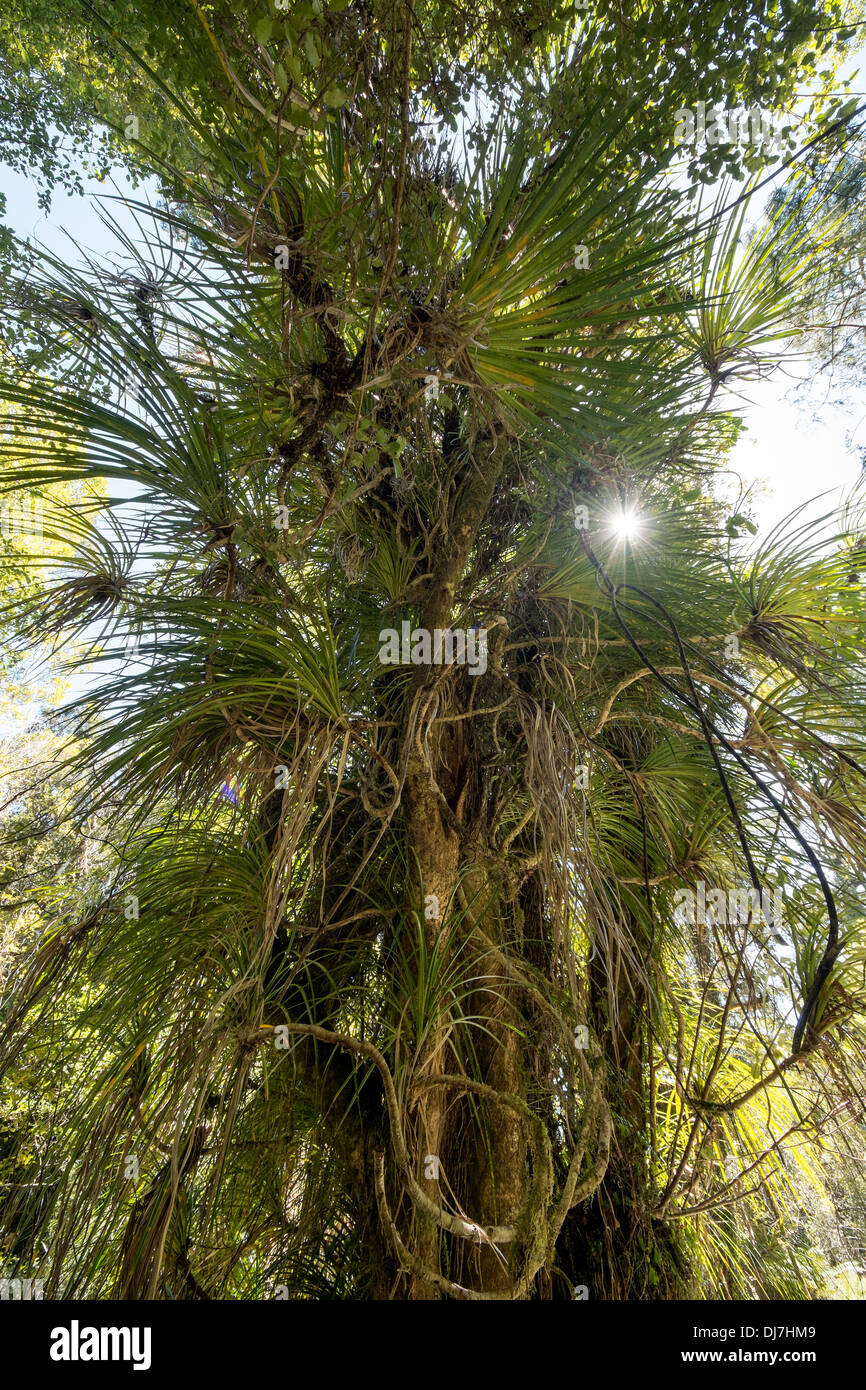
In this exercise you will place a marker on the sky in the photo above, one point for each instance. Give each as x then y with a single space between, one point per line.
70 213
793 451
794 448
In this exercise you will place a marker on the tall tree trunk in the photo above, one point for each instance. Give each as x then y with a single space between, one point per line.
613 1246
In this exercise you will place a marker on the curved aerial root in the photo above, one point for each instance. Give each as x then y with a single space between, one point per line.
540 1220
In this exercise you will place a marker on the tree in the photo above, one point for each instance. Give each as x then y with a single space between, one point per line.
450 738
68 64
831 319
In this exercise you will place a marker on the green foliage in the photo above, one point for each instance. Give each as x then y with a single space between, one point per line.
350 378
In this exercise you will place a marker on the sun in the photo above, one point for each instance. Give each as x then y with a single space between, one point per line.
625 524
